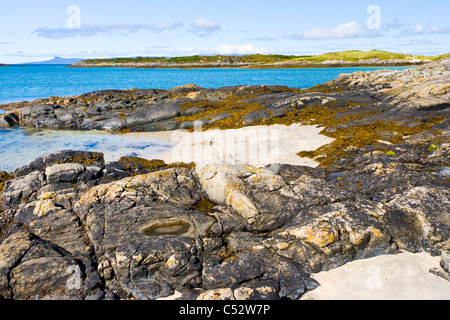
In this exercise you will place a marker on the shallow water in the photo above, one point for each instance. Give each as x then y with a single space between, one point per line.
18 146
172 229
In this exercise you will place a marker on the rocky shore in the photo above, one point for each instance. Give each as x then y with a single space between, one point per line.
75 227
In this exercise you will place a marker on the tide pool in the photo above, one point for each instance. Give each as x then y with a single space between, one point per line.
19 146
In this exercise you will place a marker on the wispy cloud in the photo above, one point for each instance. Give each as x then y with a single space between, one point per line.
420 29
348 30
224 48
160 27
205 27
417 29
261 39
87 30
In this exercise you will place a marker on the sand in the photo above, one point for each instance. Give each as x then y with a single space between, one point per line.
257 146
403 276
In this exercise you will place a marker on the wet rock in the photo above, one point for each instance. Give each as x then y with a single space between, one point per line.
9 120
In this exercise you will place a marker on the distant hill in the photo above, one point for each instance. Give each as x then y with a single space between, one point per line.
336 59
57 60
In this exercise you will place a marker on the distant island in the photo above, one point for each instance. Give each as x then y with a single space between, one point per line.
352 58
55 60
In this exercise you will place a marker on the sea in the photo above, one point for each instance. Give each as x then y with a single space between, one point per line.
18 146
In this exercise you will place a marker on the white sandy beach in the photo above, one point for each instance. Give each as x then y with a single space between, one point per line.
257 146
403 276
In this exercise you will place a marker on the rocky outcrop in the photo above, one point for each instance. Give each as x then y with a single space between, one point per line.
72 231
421 88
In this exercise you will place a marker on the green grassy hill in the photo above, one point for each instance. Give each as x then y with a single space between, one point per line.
261 60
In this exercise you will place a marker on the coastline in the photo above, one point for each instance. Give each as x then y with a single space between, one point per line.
341 64
354 195
355 58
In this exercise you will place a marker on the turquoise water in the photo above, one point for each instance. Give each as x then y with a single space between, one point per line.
26 83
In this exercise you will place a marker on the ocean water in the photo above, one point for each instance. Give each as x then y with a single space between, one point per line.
26 83
19 83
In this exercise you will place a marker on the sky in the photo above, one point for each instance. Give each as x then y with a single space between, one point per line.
40 30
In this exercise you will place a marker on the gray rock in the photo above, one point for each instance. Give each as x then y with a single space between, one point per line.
60 157
164 112
418 219
114 124
255 117
41 269
22 189
37 110
421 138
67 172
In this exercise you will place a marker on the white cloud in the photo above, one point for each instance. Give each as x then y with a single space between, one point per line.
166 26
205 26
88 30
418 28
343 31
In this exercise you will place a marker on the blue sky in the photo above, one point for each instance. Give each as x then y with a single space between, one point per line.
39 30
